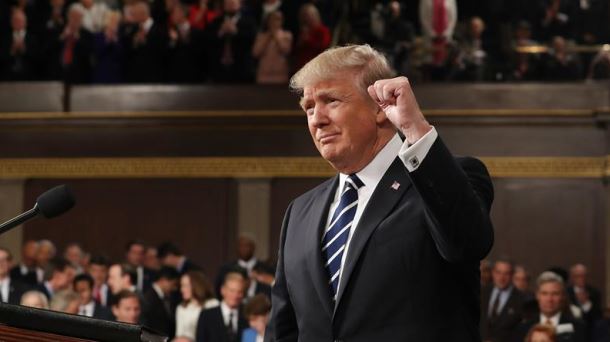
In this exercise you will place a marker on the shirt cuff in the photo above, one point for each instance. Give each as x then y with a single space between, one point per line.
412 156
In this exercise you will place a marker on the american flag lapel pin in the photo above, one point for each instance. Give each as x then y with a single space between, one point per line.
395 185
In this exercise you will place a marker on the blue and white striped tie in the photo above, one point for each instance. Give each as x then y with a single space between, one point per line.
335 236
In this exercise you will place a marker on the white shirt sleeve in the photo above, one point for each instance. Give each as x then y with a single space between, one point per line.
412 156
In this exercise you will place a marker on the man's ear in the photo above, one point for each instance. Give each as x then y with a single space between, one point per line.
380 116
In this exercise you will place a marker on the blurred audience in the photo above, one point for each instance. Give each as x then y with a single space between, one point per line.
313 38
60 277
109 51
98 270
66 301
28 271
171 256
11 290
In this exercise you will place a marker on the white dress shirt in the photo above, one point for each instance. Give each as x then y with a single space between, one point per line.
412 156
87 309
554 320
504 295
4 289
186 319
226 312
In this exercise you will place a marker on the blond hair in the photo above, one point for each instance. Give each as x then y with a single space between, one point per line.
368 64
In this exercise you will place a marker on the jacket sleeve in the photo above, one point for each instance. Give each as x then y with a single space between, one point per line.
282 326
458 193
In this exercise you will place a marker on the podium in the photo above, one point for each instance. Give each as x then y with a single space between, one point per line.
25 324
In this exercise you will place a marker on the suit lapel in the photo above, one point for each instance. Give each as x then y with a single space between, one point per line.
383 200
314 223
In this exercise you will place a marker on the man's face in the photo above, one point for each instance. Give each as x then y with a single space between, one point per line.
5 264
520 280
99 273
74 255
115 280
343 122
45 253
150 259
550 298
232 293
578 276
245 248
84 290
30 250
127 310
18 21
135 255
64 279
502 275
231 6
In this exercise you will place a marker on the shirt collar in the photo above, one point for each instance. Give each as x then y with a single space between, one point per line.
247 264
371 174
158 290
147 24
554 319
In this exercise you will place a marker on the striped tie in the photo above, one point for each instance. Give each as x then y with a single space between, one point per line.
335 236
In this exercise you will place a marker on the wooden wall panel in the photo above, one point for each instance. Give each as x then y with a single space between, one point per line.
197 214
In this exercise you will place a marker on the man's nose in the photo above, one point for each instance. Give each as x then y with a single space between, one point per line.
319 117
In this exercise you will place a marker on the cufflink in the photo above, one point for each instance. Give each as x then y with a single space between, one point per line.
414 162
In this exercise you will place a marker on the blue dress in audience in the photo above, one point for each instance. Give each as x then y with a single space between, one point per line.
108 60
249 335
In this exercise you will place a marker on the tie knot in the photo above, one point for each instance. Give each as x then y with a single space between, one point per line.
354 181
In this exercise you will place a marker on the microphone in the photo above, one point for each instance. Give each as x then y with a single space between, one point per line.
52 203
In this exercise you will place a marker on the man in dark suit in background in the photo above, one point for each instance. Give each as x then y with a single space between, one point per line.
83 285
134 256
554 311
230 39
158 310
11 290
501 304
171 256
19 50
224 323
27 271
585 296
389 249
246 262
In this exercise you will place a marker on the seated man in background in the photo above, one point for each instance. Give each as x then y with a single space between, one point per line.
28 271
501 304
126 308
83 285
11 290
224 323
158 310
553 311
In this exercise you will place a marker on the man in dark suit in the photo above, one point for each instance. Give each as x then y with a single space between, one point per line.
389 249
553 311
501 304
83 285
224 323
10 290
230 39
158 311
171 256
134 256
246 262
585 296
27 271
19 50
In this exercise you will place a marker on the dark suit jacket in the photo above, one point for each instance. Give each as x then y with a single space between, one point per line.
595 313
156 316
412 269
102 312
502 327
29 278
211 326
23 66
578 335
145 63
16 290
